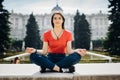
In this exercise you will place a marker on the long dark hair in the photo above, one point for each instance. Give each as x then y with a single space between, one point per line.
15 60
62 18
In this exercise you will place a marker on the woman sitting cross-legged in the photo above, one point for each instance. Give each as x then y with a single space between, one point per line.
56 44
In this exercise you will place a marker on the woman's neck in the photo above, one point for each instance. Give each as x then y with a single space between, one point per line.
57 29
57 32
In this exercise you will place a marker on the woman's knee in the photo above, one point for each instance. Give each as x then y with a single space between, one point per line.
76 56
33 56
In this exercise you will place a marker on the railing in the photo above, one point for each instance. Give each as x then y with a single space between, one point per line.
101 56
19 55
88 53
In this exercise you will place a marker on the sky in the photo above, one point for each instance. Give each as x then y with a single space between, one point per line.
45 6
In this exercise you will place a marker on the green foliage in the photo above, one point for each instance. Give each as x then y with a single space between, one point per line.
98 45
4 28
112 42
76 31
82 33
17 44
32 38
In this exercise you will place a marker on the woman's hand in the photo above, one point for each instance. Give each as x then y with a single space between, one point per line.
30 50
82 52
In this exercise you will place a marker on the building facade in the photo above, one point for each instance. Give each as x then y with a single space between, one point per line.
98 22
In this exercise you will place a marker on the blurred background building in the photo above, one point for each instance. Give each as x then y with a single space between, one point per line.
99 23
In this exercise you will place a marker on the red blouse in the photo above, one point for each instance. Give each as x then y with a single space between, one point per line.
57 46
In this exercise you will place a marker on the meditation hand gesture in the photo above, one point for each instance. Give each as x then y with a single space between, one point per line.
82 52
30 50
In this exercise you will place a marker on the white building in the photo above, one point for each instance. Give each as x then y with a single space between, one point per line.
98 23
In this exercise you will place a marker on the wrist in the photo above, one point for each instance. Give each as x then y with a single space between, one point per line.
35 50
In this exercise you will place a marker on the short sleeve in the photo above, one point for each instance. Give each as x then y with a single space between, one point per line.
45 37
70 37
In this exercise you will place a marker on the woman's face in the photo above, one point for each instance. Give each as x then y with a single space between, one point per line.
18 61
57 20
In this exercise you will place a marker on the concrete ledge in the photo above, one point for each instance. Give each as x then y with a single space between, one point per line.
97 71
111 77
104 77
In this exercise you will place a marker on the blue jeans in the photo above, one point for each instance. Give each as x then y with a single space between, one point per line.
51 60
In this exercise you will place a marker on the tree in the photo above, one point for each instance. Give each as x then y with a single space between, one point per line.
76 31
112 42
98 44
32 38
82 32
4 28
17 44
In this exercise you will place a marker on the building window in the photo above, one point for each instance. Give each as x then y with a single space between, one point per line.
101 21
105 21
16 21
96 21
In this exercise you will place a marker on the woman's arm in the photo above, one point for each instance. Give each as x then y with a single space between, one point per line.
43 51
69 49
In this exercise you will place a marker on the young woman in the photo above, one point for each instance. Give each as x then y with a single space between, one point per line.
17 60
56 44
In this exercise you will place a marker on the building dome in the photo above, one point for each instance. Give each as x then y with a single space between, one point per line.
57 9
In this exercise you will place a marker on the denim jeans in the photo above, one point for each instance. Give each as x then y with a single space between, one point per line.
51 60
